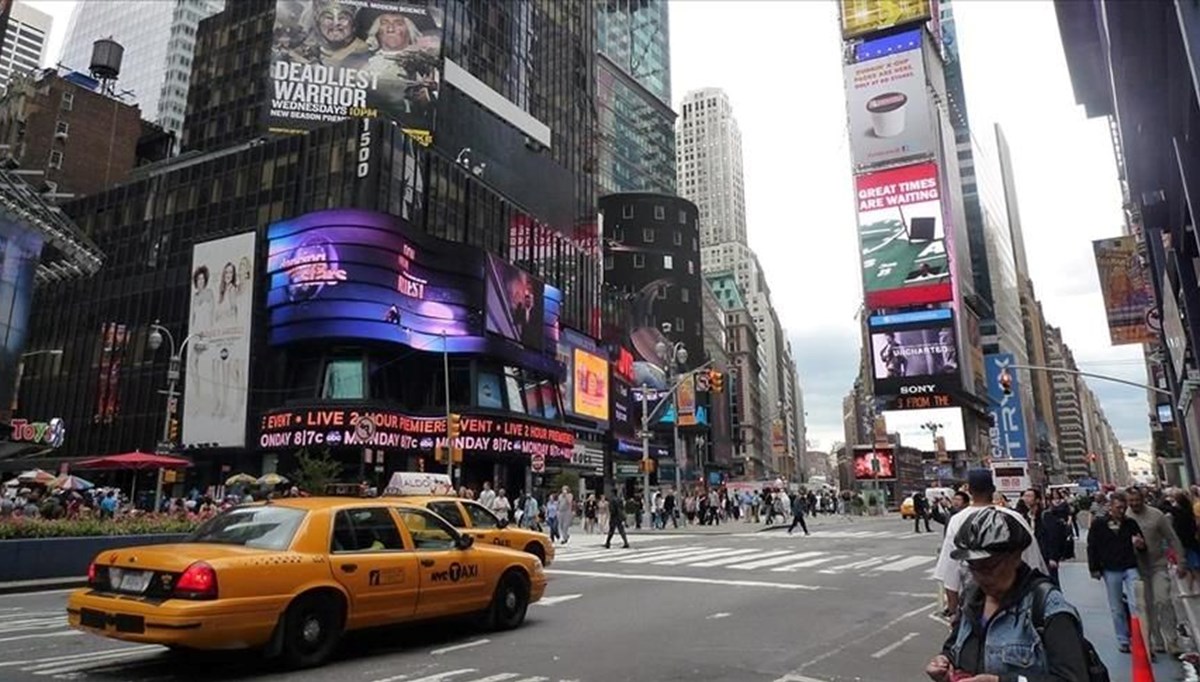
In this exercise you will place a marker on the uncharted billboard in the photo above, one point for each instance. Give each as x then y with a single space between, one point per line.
336 59
1128 291
216 377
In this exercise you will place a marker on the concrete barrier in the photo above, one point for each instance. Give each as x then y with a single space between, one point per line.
64 557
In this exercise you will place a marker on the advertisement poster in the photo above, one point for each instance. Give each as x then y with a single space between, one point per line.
889 108
113 340
590 385
860 17
336 59
914 354
685 400
902 236
514 303
916 428
1007 433
217 371
874 464
1127 290
353 274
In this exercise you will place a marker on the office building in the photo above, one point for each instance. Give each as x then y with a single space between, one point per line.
24 45
708 149
636 125
159 40
751 416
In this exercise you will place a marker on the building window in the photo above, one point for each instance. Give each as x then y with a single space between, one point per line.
679 324
678 238
682 217
685 295
639 260
648 235
343 380
691 268
618 234
608 262
668 263
627 211
68 101
660 213
56 158
62 128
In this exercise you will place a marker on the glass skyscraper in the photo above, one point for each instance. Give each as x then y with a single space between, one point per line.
633 97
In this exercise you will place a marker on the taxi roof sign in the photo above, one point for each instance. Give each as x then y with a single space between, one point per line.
416 483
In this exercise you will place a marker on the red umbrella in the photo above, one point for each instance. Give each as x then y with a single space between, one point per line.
134 460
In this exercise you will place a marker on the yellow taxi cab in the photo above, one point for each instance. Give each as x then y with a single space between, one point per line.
468 516
291 576
906 509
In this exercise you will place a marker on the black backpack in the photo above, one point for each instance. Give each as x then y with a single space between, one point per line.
1096 670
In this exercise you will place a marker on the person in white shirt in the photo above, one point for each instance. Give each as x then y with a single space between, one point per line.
951 572
501 506
488 496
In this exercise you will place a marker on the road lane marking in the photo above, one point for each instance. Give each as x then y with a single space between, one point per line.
395 678
89 654
763 563
644 553
811 562
86 659
740 559
457 647
551 601
734 557
907 563
647 558
843 646
438 677
862 563
797 678
718 616
692 580
498 677
535 678
706 556
64 633
893 646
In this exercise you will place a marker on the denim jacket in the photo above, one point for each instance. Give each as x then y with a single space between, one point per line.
1009 643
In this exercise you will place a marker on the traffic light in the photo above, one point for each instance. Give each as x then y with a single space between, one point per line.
647 465
1005 380
439 454
716 381
173 430
453 431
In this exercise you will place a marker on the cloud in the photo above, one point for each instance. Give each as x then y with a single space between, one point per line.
828 364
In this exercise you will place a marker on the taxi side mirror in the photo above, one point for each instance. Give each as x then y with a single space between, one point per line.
464 541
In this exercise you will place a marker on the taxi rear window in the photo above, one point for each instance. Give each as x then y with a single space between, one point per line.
258 527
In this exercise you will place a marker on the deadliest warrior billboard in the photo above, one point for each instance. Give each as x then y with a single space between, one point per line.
902 235
337 59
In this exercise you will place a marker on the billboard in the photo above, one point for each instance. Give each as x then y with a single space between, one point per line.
217 374
914 354
874 463
353 274
290 428
514 307
1008 435
860 17
336 59
889 108
914 427
114 338
1127 290
902 236
590 385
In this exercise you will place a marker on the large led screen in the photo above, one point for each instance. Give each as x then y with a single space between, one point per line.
888 106
916 428
902 236
860 17
874 464
514 307
914 353
351 274
337 59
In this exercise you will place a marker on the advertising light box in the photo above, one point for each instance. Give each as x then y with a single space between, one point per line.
914 354
912 428
860 17
874 463
889 108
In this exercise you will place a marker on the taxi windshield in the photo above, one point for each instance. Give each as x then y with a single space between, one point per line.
257 527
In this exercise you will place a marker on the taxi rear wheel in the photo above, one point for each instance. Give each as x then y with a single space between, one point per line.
312 628
510 602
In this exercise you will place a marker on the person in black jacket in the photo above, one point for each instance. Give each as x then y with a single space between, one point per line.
1049 530
1113 544
920 512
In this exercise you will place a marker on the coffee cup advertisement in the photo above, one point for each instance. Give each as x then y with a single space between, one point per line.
889 110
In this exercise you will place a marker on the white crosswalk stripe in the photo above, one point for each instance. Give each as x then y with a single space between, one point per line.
469 675
757 558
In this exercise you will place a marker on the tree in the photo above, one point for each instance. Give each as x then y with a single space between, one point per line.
314 471
570 479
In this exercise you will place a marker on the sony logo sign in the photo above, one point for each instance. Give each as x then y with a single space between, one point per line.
914 390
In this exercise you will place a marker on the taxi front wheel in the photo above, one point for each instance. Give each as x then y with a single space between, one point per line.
312 628
510 602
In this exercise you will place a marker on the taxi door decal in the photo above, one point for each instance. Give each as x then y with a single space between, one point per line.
455 573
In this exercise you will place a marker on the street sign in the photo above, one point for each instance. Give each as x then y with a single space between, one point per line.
537 463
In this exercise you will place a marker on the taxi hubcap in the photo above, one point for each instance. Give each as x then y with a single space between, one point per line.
311 630
510 600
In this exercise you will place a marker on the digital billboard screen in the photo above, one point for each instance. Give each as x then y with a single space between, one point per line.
874 464
337 59
914 353
514 306
860 17
590 385
888 105
902 236
913 428
352 274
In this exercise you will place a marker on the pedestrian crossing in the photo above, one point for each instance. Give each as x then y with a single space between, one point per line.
752 559
471 675
836 535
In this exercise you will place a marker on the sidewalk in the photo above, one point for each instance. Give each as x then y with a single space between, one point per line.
1088 596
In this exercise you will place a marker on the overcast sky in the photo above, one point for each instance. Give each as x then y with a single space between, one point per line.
784 77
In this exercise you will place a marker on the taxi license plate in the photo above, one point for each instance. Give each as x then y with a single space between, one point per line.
125 580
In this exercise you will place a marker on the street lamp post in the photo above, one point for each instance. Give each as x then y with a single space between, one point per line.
157 332
933 427
648 414
670 357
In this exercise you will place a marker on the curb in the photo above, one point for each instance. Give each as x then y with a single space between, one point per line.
44 585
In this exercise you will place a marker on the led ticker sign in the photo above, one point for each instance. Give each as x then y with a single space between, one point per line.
920 402
334 427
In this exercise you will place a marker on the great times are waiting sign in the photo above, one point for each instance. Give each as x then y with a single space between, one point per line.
392 430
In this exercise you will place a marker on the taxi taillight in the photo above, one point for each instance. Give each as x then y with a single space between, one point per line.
198 581
92 573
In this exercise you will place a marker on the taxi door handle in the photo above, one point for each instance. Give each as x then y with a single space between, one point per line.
349 568
427 562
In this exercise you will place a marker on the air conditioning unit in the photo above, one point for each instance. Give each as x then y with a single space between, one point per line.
60 135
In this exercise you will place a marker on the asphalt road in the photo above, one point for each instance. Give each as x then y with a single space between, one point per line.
854 601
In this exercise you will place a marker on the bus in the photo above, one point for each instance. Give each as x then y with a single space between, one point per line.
1011 477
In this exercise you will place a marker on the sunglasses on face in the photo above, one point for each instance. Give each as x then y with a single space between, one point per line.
987 565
